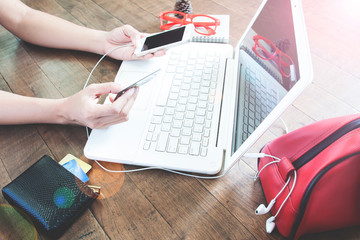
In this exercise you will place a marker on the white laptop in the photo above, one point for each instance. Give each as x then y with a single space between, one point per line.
210 102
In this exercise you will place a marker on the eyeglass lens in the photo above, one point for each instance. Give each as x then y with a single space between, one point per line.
203 25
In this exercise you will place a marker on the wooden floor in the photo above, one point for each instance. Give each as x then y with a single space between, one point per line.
157 204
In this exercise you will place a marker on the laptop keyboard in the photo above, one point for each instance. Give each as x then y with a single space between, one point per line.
260 100
181 120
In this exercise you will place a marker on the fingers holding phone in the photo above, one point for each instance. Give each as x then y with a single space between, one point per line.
138 83
159 42
116 112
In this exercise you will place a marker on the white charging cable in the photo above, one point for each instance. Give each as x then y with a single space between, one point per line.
270 222
260 155
111 50
285 126
88 79
261 209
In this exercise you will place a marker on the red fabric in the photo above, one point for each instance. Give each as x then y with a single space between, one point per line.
285 168
334 202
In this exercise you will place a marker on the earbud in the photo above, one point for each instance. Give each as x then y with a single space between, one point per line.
270 224
261 209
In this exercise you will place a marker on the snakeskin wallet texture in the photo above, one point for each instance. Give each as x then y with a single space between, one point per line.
50 196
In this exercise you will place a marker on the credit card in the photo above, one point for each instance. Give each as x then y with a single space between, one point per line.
73 167
84 166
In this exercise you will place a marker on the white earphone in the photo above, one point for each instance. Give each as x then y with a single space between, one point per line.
270 224
261 209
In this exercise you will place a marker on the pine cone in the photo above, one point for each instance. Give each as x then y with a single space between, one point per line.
183 6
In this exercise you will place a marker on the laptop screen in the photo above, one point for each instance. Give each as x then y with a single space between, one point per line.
268 68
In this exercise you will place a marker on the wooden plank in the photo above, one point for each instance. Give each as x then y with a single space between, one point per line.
19 70
3 84
63 140
130 13
4 180
337 82
63 70
188 207
122 209
91 15
319 104
25 148
240 196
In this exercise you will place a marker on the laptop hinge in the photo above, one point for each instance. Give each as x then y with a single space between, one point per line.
222 134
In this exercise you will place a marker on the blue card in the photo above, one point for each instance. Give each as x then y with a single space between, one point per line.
73 167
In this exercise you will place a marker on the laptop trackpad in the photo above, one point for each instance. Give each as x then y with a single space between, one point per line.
117 142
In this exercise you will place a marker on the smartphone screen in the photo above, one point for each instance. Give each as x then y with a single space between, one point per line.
164 38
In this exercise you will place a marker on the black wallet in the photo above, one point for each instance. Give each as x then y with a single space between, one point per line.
51 196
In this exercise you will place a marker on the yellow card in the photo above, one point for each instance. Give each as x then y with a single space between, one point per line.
84 166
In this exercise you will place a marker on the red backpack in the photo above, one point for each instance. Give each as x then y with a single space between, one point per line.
311 178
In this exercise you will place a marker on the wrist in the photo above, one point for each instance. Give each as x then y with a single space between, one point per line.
60 114
97 42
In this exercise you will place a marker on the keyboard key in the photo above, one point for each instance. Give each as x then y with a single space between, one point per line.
163 94
203 152
172 146
183 149
195 148
185 140
147 145
161 142
158 111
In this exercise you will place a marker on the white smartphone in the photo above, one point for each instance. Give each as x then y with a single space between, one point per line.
164 40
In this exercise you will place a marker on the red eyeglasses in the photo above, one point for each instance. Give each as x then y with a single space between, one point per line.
204 24
266 50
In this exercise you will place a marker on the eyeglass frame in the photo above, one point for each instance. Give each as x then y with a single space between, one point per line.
184 21
277 55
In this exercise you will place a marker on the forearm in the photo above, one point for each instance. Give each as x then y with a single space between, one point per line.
16 109
49 31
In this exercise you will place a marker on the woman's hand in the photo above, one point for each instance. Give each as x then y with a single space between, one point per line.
122 36
82 108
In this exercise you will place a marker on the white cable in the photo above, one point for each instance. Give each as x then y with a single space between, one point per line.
88 79
287 182
111 50
159 168
270 222
269 163
125 171
172 171
286 127
247 175
287 197
258 155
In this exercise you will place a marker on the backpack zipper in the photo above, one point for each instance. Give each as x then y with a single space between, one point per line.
307 194
313 152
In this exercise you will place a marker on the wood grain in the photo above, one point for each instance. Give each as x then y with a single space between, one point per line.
158 204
